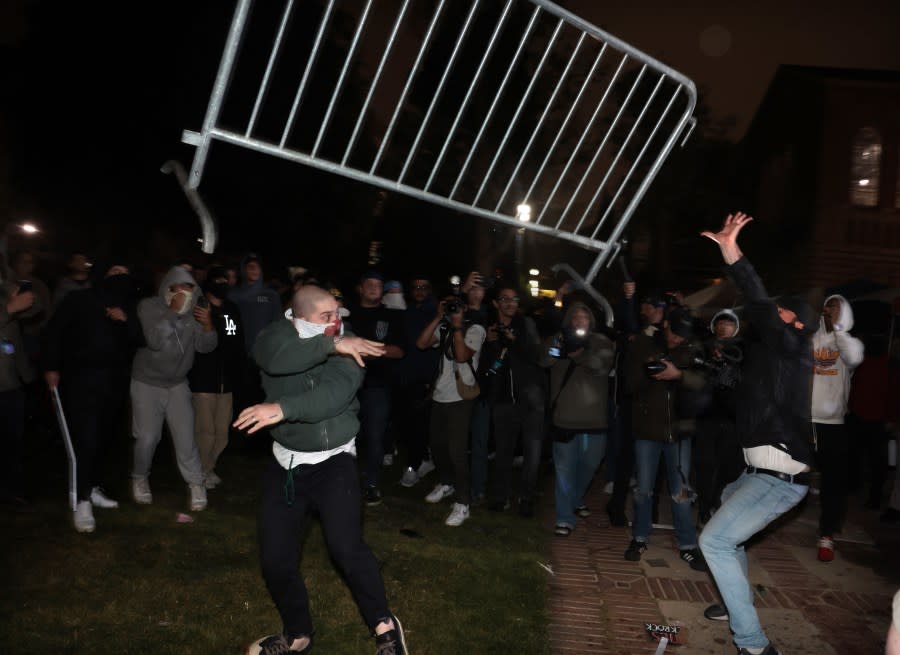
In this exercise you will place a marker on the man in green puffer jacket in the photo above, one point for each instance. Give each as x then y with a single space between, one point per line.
311 379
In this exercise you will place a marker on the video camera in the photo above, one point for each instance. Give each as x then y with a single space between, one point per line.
724 372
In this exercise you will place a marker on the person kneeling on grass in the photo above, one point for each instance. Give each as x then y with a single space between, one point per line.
311 386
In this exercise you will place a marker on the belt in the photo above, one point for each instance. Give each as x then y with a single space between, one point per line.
797 478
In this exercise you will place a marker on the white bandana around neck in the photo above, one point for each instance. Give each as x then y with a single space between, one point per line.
307 330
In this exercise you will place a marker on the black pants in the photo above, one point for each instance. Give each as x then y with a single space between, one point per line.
832 451
413 401
625 461
94 402
330 489
449 436
509 421
718 460
12 429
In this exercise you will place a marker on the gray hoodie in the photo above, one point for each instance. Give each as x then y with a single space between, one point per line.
172 339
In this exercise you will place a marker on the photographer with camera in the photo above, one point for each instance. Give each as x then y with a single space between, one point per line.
717 454
460 345
516 391
579 360
658 368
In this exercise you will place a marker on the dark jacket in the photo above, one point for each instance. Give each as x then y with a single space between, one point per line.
582 403
221 370
315 388
418 366
518 379
654 407
259 306
80 337
775 393
15 369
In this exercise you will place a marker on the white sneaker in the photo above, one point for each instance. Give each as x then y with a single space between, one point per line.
140 489
100 499
388 460
458 515
426 467
440 492
410 477
198 497
608 488
211 480
84 517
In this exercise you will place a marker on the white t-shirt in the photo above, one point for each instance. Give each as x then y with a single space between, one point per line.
291 458
445 386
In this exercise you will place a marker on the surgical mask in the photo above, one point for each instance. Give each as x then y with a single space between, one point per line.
188 300
307 330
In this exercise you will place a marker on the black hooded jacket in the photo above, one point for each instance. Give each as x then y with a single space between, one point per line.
81 337
221 370
774 398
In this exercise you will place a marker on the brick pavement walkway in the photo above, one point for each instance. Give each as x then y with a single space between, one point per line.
599 603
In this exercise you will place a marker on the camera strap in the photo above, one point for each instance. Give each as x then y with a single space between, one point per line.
568 374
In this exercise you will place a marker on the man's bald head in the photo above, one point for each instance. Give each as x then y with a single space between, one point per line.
310 302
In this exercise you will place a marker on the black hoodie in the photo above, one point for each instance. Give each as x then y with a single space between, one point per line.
774 398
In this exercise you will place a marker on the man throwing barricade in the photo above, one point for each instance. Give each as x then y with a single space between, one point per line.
773 426
311 384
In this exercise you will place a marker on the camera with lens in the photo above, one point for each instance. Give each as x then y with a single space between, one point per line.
505 334
723 371
452 306
568 341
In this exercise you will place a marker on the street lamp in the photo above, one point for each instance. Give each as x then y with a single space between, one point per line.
534 272
29 228
523 213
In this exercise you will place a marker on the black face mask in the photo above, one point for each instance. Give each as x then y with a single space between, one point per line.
117 289
219 290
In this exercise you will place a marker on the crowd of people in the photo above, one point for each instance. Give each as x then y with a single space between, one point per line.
461 385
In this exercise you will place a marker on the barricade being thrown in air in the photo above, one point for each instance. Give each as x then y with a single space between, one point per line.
516 111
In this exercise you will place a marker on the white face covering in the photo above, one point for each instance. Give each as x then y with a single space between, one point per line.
306 329
188 298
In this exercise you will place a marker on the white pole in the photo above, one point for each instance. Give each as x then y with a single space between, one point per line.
70 451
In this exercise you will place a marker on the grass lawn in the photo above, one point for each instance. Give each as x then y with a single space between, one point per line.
144 583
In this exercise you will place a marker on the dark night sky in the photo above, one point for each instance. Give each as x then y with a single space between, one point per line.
99 93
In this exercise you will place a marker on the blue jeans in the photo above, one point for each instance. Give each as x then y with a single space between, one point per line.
749 504
575 463
646 459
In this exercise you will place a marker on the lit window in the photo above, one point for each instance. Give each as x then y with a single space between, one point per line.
866 168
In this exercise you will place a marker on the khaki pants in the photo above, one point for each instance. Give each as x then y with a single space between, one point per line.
212 418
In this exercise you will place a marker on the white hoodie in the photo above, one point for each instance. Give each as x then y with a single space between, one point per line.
836 355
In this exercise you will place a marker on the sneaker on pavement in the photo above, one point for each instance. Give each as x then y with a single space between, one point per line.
608 488
198 497
211 480
426 467
635 550
694 557
388 460
440 492
100 499
458 515
392 642
583 511
373 496
140 489
716 613
410 477
276 645
826 549
84 517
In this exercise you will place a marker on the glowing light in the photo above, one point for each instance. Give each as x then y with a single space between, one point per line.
864 182
523 213
533 283
29 228
534 271
535 291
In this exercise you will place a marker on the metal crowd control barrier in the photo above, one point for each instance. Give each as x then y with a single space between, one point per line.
508 110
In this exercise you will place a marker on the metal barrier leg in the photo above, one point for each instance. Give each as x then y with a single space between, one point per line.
70 450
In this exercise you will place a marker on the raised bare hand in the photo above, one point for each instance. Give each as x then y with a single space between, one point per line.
357 348
727 236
